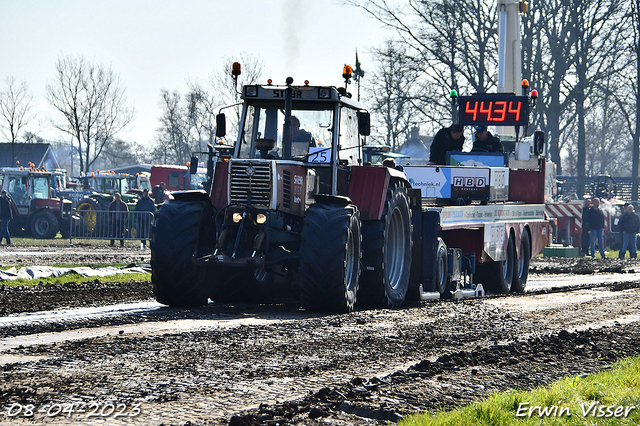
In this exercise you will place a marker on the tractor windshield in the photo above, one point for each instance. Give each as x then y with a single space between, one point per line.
311 131
40 187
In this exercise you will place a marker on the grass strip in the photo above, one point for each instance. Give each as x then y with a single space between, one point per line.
76 278
610 397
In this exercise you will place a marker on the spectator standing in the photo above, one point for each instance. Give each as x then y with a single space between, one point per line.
158 192
145 204
6 215
595 222
447 139
629 225
584 241
118 212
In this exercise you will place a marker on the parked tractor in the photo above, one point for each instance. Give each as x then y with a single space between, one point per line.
93 198
35 212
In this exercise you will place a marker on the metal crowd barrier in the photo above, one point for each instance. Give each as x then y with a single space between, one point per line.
109 225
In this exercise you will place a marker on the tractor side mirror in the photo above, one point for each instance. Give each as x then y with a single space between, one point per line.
364 123
221 125
538 142
193 165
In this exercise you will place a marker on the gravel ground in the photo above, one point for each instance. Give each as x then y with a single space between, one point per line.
277 364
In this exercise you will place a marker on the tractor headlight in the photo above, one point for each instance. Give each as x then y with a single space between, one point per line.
261 219
237 217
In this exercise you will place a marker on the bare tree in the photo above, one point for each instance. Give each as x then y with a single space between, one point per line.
225 90
91 100
117 153
172 142
598 28
548 42
628 96
390 88
454 41
15 107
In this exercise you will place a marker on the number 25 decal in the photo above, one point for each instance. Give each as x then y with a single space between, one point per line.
319 155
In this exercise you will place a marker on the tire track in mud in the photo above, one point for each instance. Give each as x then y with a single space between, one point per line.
296 368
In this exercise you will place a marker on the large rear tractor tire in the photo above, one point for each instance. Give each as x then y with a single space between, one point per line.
387 252
521 272
44 225
498 276
94 217
178 227
330 258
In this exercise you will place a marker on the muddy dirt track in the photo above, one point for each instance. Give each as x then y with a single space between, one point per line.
277 364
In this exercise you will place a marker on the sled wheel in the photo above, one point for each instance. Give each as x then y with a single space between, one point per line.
522 264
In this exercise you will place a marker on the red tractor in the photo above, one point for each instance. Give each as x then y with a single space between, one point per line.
293 205
35 211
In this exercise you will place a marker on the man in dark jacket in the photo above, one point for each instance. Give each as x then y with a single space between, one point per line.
118 213
6 215
584 241
595 222
447 139
486 142
144 206
158 192
629 225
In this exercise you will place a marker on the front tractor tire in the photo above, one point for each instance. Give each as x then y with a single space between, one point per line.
44 225
387 252
177 229
330 258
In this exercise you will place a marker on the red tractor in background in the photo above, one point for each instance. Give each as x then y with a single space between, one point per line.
176 178
36 212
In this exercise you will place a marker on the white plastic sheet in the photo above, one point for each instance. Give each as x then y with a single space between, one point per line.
39 272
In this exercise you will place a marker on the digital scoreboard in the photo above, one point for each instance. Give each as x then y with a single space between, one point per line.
493 110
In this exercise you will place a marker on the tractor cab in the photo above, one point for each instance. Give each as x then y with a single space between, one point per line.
25 187
299 125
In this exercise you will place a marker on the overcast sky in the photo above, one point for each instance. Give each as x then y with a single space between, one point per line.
160 44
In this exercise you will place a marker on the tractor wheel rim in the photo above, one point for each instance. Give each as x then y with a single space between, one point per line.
395 251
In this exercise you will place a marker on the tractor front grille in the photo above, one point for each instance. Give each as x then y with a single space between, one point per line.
250 183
